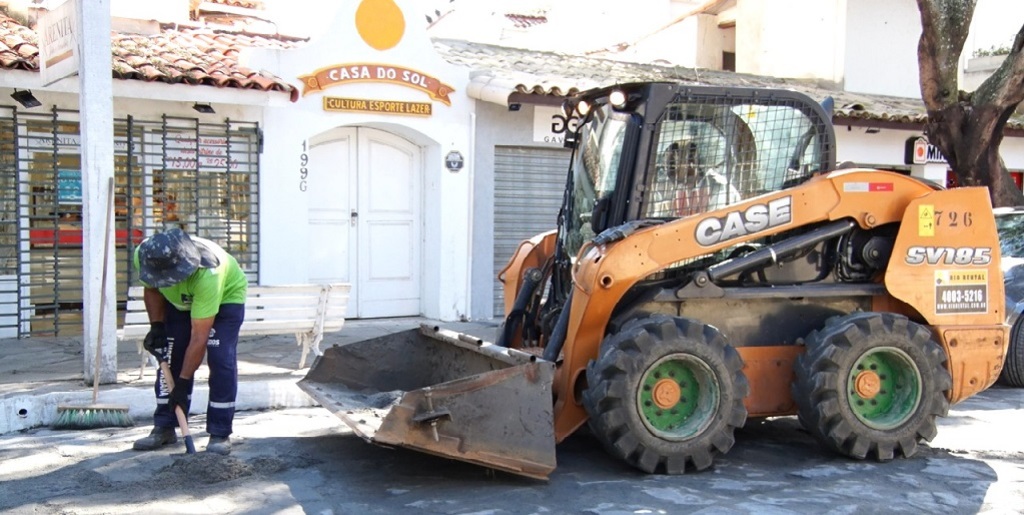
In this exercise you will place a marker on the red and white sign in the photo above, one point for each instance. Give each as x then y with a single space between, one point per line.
867 187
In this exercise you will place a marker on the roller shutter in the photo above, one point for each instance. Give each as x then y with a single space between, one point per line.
528 187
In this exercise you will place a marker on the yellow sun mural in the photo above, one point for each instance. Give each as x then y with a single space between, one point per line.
380 23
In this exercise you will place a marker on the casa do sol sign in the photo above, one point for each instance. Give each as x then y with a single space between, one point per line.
369 72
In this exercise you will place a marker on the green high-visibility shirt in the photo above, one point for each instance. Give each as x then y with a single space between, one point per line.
206 289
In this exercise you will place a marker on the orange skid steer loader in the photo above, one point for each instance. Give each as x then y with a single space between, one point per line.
709 267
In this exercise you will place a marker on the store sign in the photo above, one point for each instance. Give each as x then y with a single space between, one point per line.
69 186
550 125
919 152
378 106
339 74
37 142
58 43
208 152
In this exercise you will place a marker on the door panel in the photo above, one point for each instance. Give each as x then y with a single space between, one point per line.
332 166
389 225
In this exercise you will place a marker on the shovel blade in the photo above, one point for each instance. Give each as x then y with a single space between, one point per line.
443 393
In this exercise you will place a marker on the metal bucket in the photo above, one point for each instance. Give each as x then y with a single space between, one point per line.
443 393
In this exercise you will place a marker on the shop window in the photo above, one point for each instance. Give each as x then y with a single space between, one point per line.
168 173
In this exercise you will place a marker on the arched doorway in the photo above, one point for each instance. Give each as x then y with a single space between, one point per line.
365 206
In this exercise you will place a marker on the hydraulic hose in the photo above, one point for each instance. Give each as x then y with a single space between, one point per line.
531 278
557 340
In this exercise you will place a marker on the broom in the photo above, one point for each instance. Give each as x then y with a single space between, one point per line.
97 415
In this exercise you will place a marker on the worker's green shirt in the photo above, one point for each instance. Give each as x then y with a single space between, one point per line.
206 289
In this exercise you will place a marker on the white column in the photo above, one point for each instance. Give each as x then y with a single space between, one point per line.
96 106
935 172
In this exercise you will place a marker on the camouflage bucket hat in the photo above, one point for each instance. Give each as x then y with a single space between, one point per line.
167 258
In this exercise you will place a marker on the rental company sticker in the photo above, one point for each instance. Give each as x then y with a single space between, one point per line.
960 292
926 220
867 187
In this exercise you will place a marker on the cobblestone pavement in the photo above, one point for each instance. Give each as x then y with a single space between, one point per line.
301 460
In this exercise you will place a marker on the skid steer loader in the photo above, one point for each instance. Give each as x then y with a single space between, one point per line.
709 267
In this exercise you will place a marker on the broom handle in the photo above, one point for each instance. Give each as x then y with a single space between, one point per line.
103 290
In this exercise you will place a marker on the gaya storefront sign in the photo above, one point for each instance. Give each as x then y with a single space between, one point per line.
919 152
550 125
378 106
339 74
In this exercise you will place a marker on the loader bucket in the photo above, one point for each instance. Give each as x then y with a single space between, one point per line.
443 393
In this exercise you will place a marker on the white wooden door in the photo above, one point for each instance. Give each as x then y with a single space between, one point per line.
332 232
389 225
365 219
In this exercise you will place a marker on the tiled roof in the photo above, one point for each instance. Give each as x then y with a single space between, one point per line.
196 56
525 21
247 4
18 49
177 54
203 56
502 70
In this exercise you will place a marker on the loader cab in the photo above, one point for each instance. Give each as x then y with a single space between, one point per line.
649 153
659 151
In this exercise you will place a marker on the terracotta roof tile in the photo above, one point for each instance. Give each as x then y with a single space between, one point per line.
525 21
18 50
191 55
248 4
555 74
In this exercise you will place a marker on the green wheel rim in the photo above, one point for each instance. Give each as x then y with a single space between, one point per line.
678 397
884 388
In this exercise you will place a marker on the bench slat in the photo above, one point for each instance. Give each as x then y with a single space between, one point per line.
269 310
136 292
292 313
261 327
268 303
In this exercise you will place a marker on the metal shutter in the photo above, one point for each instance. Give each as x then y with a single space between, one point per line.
528 187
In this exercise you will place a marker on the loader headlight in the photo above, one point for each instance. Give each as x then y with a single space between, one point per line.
583 108
617 98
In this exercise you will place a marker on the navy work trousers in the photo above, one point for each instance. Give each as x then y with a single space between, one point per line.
221 357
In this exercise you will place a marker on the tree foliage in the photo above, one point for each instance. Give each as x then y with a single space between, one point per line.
968 127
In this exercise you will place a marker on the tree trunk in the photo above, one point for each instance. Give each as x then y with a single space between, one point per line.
968 127
967 136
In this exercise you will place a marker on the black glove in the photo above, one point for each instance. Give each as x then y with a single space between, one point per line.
156 340
181 395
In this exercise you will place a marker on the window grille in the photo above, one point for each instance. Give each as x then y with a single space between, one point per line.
170 172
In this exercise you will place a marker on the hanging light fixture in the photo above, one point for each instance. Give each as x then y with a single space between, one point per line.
26 98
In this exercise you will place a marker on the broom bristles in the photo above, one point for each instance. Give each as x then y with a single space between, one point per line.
92 417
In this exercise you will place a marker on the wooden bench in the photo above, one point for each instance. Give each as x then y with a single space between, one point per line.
307 311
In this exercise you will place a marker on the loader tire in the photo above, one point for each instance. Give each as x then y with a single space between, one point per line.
1013 368
666 394
871 385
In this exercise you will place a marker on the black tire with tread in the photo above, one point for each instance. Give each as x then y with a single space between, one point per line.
1013 367
823 370
614 379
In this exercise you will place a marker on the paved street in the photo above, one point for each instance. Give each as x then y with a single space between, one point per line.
303 461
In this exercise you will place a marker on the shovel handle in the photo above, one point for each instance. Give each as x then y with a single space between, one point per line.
190 446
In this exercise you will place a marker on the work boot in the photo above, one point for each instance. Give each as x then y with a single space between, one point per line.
219 445
158 437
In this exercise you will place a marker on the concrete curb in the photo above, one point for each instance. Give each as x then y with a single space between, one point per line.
21 412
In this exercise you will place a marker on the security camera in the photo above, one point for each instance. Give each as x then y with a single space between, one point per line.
515 106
